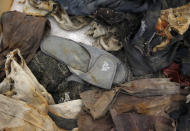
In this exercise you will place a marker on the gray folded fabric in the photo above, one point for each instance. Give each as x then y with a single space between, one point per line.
90 64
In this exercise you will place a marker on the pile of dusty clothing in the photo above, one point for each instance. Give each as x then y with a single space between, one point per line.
135 75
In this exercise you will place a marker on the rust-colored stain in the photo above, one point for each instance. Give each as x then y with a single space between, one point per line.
161 25
93 78
6 69
132 85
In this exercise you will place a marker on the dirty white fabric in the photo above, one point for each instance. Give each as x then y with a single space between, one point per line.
17 115
25 103
105 37
78 36
21 84
68 110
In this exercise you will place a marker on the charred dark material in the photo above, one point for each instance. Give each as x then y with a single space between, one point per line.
109 16
64 123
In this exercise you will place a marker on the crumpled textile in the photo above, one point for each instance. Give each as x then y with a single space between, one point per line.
25 103
21 84
21 31
17 115
65 114
67 22
105 37
125 122
88 7
185 64
183 121
97 102
43 8
173 4
68 110
86 123
150 101
30 10
136 49
146 32
173 72
45 69
142 104
141 96
156 106
155 45
139 122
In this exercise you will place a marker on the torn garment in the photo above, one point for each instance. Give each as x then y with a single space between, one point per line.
21 31
135 49
86 123
97 102
147 96
157 50
156 105
21 84
140 122
17 115
137 105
